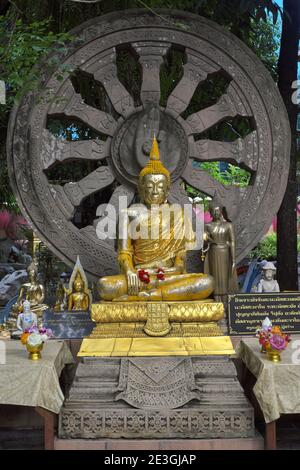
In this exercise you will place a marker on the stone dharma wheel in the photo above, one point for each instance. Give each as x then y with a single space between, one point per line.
122 130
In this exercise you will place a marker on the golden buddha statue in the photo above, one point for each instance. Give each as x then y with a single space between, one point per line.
33 292
153 267
79 295
154 307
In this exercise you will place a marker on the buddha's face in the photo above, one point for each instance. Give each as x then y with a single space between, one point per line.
154 189
26 307
78 286
31 275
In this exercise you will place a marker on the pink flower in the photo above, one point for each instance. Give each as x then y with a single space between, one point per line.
207 217
277 342
10 223
204 216
33 329
274 224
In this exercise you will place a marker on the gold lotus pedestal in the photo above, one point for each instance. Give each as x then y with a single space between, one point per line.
158 328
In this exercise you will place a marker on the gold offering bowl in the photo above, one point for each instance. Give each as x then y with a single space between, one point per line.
273 354
34 351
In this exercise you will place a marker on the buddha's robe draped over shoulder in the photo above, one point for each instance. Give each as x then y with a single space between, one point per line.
161 234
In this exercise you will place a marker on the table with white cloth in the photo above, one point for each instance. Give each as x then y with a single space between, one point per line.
24 382
277 385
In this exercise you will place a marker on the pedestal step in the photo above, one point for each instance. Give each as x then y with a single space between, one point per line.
254 443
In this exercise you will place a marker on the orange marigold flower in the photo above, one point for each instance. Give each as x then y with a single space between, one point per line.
24 338
276 330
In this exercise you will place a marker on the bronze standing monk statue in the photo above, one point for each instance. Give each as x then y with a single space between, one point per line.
152 264
220 261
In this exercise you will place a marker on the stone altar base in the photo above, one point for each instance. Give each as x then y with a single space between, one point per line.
156 398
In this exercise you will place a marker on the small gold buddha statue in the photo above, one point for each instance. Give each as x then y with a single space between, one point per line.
79 295
33 292
153 267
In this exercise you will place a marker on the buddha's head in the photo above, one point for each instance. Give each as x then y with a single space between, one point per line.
32 272
78 285
26 306
154 179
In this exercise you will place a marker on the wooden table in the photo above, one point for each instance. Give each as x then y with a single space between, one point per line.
35 383
50 420
248 381
273 388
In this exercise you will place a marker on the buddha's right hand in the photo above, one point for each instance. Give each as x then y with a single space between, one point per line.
133 283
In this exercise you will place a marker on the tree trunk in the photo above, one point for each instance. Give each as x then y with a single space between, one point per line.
287 215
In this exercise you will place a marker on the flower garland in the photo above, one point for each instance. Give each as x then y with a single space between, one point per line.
144 275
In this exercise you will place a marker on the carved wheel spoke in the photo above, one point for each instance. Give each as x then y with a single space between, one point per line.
111 130
56 150
243 152
151 58
95 181
196 71
229 195
73 105
103 68
227 107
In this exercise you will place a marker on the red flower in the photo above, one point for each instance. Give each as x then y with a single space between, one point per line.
160 274
287 338
144 276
